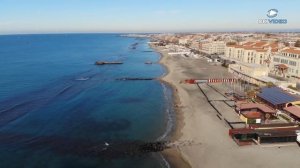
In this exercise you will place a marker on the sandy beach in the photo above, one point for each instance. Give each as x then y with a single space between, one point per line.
198 122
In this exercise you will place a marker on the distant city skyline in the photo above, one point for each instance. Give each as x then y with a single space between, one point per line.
142 16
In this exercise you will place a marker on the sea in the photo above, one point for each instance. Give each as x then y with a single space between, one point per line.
60 110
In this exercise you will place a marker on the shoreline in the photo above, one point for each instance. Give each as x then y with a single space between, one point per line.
173 156
197 121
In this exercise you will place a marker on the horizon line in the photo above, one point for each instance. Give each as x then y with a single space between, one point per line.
158 32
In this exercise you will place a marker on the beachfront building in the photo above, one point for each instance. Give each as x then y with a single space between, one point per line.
214 47
251 52
251 117
252 73
287 63
277 98
254 113
293 112
265 134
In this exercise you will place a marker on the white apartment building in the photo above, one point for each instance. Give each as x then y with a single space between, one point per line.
290 57
252 52
215 47
183 41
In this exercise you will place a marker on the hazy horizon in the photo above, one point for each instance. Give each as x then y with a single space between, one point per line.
133 16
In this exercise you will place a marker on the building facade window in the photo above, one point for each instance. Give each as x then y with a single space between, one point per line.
276 59
293 63
284 61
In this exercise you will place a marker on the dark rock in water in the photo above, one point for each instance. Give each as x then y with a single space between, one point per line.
83 147
104 63
133 46
148 62
153 147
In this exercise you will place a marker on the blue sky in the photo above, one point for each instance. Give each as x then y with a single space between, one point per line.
56 16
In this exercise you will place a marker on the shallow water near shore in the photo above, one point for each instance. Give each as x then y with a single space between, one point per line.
58 109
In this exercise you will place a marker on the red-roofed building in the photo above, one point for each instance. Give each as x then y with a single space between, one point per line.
251 117
254 113
294 112
259 44
254 106
250 43
292 51
252 52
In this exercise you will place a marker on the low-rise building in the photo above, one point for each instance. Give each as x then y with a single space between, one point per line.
214 47
265 134
251 117
252 73
293 112
287 63
254 113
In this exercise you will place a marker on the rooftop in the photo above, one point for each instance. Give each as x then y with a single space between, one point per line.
277 96
293 110
252 114
259 46
276 133
280 126
262 107
249 43
272 132
292 50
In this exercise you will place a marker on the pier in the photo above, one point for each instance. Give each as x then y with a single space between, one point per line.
222 80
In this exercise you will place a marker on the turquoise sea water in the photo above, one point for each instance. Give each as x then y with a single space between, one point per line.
57 109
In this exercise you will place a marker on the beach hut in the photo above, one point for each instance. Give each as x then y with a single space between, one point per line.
251 117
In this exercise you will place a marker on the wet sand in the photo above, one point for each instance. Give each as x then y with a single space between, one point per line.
198 121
